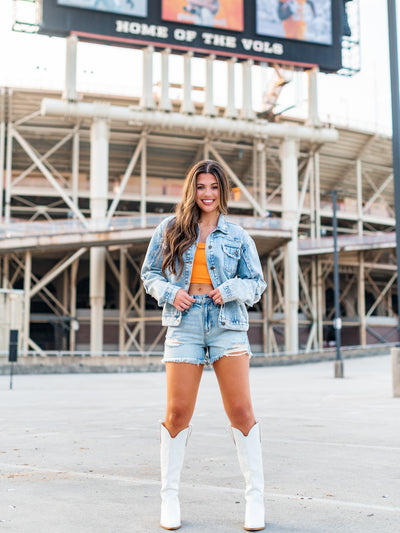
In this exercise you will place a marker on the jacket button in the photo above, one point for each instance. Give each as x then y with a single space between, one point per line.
212 268
210 247
223 323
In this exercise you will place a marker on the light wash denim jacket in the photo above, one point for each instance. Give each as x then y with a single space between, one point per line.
233 265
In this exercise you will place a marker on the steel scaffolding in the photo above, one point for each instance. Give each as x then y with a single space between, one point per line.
76 165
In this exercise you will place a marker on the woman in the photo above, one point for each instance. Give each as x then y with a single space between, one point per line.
204 270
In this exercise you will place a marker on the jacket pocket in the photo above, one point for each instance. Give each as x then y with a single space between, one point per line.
231 257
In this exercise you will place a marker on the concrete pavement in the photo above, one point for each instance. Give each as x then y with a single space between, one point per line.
79 452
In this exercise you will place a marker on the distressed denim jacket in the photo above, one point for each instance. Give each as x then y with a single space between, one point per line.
233 265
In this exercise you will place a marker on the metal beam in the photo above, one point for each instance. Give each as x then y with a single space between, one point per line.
194 123
56 272
237 181
125 179
30 152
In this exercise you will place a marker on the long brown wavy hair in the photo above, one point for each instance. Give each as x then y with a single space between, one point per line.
181 232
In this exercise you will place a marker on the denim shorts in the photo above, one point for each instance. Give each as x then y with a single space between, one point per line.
199 339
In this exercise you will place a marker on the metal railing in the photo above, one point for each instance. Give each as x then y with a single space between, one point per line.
15 229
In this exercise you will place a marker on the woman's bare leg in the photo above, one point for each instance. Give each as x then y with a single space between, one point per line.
183 380
233 378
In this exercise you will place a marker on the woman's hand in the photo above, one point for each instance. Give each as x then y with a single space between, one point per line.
183 300
216 296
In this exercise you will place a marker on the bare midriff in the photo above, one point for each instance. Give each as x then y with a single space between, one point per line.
200 288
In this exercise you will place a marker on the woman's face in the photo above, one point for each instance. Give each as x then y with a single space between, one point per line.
207 193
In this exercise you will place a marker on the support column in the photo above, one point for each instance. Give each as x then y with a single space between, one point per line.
143 182
313 115
27 300
256 175
7 212
187 104
230 110
99 140
147 100
5 272
317 189
70 92
165 102
320 304
289 169
359 197
247 106
314 300
265 314
209 108
361 300
123 280
75 169
2 156
261 149
74 323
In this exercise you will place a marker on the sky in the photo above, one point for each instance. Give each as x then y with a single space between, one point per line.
361 101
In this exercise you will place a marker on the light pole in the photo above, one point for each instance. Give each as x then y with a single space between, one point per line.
394 78
336 290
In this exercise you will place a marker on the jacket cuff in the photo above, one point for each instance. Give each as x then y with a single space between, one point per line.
226 292
170 293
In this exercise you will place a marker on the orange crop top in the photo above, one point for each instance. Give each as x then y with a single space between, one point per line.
200 271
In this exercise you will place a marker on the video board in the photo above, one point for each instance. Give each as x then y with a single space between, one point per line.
303 33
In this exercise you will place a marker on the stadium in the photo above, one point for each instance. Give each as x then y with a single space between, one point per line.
87 177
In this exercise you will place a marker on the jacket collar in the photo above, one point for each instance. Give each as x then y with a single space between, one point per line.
222 224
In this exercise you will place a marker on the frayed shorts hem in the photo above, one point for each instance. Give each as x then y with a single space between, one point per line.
233 352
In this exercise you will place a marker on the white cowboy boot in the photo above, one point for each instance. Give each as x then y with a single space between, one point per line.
172 454
250 460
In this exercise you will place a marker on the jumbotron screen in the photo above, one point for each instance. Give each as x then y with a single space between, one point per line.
136 8
304 20
303 33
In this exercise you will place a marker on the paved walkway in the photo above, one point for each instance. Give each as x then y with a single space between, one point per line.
79 453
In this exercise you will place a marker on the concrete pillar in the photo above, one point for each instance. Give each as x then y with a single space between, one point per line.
265 310
70 92
2 156
247 112
75 169
143 182
123 280
66 288
360 225
5 273
320 303
27 300
395 352
99 140
147 101
187 104
165 102
289 169
313 115
209 108
262 156
74 323
317 197
7 211
230 110
361 300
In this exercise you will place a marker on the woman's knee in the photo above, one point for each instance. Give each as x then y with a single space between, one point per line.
241 416
178 415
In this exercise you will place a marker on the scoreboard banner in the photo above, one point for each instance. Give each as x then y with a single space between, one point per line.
302 33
